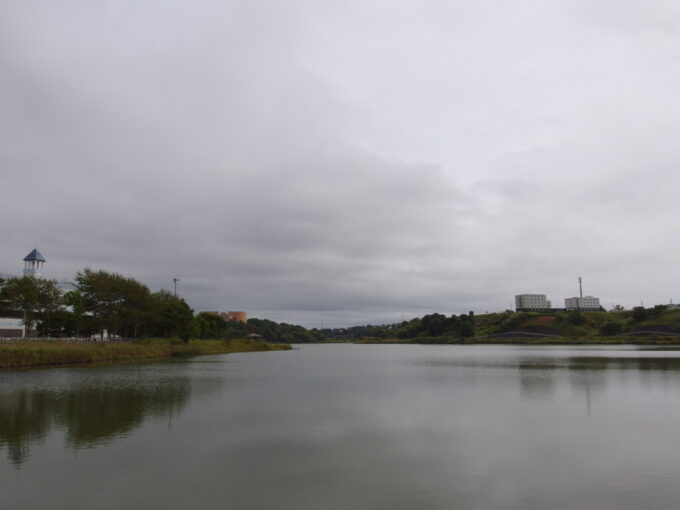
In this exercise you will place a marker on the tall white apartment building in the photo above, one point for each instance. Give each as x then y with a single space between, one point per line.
582 303
531 302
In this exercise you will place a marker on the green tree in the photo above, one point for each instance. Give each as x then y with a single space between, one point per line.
211 325
117 304
639 314
35 298
467 325
575 317
50 301
433 325
172 316
611 328
658 310
74 301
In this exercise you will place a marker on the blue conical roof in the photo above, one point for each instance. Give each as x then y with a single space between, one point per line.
35 255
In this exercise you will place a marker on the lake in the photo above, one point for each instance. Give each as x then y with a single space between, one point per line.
349 427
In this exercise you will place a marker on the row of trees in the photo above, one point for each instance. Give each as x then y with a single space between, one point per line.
433 325
110 304
102 303
213 326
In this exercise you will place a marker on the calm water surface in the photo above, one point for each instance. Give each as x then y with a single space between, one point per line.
349 427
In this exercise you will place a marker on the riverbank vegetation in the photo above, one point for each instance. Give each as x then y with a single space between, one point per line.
656 326
111 305
27 353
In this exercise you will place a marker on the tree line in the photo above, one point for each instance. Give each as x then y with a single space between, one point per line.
112 305
209 325
430 326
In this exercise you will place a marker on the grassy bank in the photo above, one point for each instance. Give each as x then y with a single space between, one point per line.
30 353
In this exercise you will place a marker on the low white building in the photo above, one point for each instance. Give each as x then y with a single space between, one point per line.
11 327
588 303
525 302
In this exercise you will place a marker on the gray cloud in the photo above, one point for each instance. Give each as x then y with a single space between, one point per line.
345 163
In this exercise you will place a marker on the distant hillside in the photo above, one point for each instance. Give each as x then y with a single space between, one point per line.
657 320
470 328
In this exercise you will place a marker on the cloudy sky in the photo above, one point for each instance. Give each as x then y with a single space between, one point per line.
349 161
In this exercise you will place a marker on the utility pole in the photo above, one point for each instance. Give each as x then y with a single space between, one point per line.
174 281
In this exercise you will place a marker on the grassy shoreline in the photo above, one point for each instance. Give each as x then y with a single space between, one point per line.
34 354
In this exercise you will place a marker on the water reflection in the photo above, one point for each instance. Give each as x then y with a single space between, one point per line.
351 426
555 361
537 384
586 374
90 412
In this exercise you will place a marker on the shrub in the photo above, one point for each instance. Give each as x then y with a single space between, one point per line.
639 313
611 329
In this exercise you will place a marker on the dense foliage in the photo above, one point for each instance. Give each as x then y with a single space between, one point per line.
112 305
577 324
430 326
585 326
208 325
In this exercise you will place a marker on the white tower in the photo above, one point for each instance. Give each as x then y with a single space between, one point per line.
34 264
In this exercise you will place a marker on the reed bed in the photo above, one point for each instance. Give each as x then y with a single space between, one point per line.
54 352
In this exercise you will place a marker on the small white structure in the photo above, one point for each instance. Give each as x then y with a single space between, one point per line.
526 302
587 303
34 264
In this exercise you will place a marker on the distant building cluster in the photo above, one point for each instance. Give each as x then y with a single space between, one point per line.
540 303
231 316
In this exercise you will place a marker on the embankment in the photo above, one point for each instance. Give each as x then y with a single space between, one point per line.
31 353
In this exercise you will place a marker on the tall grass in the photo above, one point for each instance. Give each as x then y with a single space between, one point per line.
26 354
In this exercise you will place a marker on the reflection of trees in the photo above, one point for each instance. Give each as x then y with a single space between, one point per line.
588 375
95 414
536 383
25 418
588 380
91 414
640 363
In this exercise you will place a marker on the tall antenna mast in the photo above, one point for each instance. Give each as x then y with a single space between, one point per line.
580 288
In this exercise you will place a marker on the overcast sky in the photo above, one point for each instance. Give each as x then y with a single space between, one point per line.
346 162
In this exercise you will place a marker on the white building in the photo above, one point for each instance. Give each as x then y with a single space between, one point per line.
11 327
587 303
34 264
524 302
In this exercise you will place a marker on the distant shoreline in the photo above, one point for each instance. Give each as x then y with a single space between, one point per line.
663 341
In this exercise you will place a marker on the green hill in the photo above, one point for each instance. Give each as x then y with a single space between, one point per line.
640 325
576 324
